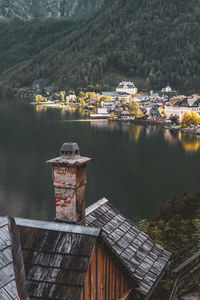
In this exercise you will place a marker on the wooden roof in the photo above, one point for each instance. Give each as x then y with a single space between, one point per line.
144 260
56 257
12 274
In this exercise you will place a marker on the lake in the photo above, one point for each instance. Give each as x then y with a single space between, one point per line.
136 167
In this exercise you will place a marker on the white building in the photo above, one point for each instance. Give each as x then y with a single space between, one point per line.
102 113
167 89
127 87
181 106
109 105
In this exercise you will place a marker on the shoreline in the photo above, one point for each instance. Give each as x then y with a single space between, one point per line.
160 124
170 127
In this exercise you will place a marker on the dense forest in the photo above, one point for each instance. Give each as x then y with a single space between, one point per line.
177 228
152 42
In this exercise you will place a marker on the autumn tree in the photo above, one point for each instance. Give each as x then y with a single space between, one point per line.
40 98
195 118
190 119
124 100
135 109
131 98
105 98
62 95
112 116
186 121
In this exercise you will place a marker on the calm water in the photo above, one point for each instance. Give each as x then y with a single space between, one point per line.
135 167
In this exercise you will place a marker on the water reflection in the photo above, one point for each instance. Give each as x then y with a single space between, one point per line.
189 142
135 132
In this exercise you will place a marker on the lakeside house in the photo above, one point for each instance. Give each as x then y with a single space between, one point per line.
127 87
126 116
102 113
92 254
179 107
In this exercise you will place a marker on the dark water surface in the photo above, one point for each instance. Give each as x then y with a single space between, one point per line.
135 167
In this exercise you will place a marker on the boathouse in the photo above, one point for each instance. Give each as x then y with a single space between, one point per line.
94 253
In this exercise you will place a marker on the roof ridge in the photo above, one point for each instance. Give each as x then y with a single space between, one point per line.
48 225
95 205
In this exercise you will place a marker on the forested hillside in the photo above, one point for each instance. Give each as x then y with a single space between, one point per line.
152 42
48 9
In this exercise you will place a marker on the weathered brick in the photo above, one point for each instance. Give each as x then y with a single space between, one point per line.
69 180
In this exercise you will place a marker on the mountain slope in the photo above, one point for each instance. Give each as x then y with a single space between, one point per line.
27 10
152 42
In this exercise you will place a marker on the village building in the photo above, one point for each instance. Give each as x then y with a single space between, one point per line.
113 96
102 113
153 94
85 254
168 89
141 98
127 87
71 97
109 105
154 112
179 107
126 116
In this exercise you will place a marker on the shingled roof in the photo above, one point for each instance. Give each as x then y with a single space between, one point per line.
56 257
143 259
12 274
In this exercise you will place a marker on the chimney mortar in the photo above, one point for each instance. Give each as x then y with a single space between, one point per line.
69 180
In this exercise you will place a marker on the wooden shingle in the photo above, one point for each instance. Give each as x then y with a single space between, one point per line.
56 257
12 274
143 259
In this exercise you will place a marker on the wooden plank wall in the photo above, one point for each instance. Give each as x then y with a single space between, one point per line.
104 280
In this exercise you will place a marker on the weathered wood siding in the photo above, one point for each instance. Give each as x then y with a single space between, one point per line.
104 279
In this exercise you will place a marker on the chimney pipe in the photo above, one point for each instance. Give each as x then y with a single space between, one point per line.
69 180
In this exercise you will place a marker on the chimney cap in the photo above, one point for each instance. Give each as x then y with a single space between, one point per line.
70 150
69 156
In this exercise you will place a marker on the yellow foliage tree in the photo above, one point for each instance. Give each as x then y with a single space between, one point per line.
112 116
131 98
186 121
190 119
136 109
195 118
83 102
62 95
105 98
40 98
124 100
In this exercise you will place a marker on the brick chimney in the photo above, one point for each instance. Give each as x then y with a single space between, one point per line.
69 180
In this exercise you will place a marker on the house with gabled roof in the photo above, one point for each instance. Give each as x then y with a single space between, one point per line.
143 260
126 87
85 254
179 107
